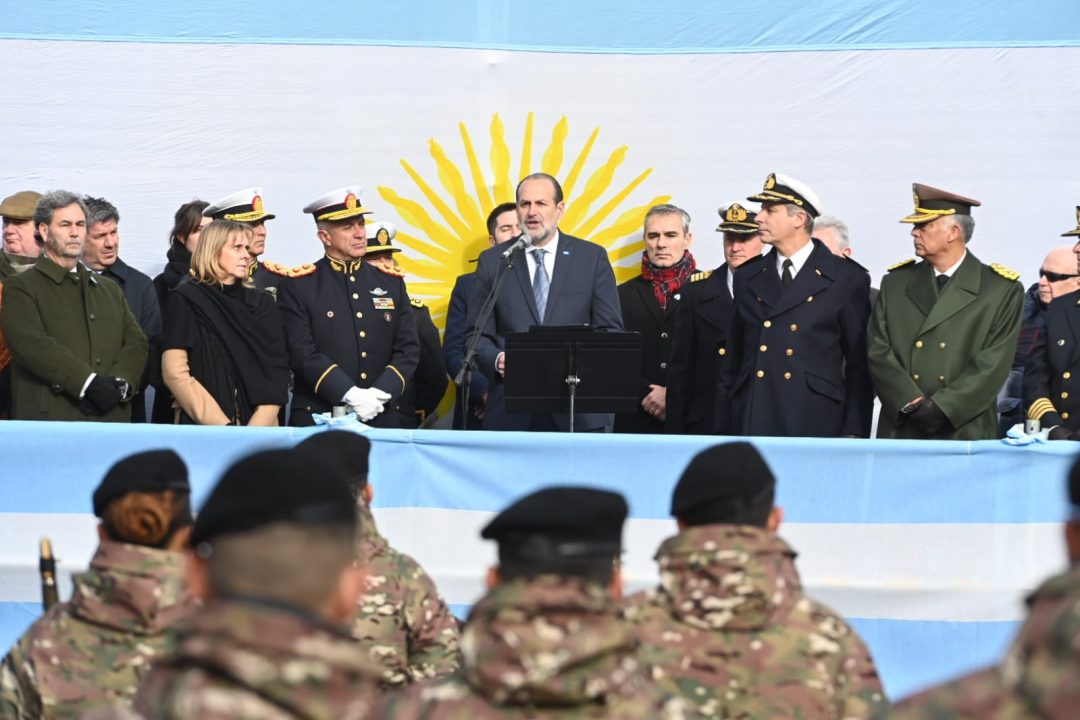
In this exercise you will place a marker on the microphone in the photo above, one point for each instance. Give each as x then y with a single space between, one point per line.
521 242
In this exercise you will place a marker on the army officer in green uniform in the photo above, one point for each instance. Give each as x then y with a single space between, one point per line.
944 330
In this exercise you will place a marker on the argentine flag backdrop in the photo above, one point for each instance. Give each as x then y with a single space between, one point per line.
439 108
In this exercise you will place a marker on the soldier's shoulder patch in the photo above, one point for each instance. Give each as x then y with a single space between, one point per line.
701 275
416 303
1007 273
901 264
392 270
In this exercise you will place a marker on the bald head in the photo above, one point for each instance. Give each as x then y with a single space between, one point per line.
1053 283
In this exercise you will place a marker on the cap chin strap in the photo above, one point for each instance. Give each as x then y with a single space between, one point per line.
938 213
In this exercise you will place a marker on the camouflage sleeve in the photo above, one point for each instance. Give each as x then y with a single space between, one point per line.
19 697
859 690
434 648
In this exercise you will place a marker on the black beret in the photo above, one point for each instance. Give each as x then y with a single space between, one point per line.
582 522
347 450
732 475
272 486
150 471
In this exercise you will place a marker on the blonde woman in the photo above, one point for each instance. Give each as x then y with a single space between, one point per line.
224 348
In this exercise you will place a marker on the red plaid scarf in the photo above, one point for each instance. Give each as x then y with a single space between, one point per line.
667 281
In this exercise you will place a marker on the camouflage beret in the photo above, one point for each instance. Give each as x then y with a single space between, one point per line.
150 471
347 450
722 479
276 486
578 522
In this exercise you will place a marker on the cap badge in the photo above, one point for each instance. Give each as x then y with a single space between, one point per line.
770 182
915 194
350 201
257 203
736 213
383 236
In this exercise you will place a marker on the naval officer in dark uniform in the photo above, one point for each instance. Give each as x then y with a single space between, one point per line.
246 206
797 337
352 340
1054 362
699 348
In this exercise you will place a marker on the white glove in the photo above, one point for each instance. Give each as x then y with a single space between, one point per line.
365 402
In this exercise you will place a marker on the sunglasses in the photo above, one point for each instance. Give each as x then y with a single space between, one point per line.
1053 276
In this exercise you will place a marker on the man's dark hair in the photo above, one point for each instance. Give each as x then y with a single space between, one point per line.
541 176
100 210
493 218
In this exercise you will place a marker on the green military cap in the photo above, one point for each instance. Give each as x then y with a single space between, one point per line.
21 205
932 203
1076 230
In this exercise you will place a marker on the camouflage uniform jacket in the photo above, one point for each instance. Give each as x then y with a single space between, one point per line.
551 647
248 659
730 629
94 649
401 619
1039 677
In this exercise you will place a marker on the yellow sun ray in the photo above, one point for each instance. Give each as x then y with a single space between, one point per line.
500 159
589 226
526 148
594 187
412 213
570 183
553 156
629 223
441 207
486 203
451 180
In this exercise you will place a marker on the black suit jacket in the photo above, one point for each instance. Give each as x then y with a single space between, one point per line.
698 354
1053 364
582 291
798 354
641 313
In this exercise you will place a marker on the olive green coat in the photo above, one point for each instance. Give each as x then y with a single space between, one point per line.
956 349
60 327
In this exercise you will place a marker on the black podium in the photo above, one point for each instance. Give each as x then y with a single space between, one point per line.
572 370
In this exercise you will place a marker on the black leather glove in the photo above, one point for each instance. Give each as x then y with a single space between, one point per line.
1060 432
101 397
929 418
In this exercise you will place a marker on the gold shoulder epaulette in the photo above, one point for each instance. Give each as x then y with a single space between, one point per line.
393 270
416 303
1007 273
901 264
700 275
298 271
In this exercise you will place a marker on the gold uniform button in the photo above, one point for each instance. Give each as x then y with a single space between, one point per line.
918 343
359 314
787 376
761 373
722 351
363 376
915 376
355 296
767 323
789 352
363 354
794 327
941 344
1064 416
352 279
1066 374
1065 395
941 378
363 334
763 348
1060 343
810 299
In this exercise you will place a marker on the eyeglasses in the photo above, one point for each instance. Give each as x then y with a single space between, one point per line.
1053 276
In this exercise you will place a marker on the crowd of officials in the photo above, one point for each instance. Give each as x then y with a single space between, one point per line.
281 599
786 338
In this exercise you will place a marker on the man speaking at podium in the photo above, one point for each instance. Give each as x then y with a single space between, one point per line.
556 279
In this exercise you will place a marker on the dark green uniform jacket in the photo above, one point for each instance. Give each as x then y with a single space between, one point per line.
61 326
955 348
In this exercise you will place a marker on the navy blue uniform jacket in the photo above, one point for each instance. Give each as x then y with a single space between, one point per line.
798 364
582 291
347 324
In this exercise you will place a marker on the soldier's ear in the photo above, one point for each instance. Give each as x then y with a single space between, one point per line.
351 585
101 534
493 577
776 516
615 588
1072 541
368 493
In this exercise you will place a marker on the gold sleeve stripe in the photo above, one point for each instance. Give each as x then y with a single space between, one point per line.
323 376
1040 407
400 376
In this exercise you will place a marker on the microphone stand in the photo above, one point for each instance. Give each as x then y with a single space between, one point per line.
465 374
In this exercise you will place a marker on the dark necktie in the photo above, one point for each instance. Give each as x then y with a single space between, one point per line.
941 280
786 276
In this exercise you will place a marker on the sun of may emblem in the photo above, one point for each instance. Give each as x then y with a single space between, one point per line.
450 224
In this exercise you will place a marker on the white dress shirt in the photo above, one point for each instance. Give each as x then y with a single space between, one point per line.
549 257
798 259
